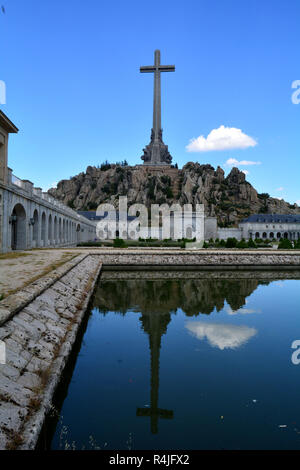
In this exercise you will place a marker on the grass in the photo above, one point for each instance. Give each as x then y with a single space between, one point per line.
13 255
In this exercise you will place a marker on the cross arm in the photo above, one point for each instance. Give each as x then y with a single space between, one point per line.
166 68
166 414
147 69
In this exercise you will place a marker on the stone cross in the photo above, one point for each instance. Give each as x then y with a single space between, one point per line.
156 153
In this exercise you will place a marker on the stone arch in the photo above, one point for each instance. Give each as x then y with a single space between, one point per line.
285 235
278 235
18 228
43 229
264 235
78 229
50 229
55 230
257 235
59 231
35 231
272 235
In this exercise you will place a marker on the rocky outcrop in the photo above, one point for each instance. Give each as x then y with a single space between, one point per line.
230 198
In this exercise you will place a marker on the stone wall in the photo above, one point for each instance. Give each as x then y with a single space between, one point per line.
31 218
224 233
38 340
201 258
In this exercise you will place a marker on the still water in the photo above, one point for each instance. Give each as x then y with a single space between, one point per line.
184 361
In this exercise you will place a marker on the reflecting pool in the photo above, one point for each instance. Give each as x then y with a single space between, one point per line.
184 360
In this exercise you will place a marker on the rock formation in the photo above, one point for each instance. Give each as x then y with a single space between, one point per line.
230 198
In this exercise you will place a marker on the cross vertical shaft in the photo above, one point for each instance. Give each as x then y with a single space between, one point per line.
157 153
157 97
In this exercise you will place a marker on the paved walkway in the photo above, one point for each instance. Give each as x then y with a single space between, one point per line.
18 269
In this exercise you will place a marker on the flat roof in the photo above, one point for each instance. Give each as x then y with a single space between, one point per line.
6 123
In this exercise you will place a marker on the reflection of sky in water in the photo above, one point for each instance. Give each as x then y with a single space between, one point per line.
140 348
219 335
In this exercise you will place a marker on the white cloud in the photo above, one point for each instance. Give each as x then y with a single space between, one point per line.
298 202
246 172
241 310
281 188
223 138
235 162
222 336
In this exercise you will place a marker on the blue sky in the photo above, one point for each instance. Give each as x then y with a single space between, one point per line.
74 89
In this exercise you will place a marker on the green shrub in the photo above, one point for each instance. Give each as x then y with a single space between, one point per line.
251 243
231 242
119 243
285 244
242 244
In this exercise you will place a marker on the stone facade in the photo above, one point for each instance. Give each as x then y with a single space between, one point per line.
271 226
30 218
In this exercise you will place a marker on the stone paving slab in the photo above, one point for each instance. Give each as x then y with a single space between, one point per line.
10 305
38 340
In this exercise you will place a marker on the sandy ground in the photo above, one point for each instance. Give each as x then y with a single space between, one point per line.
19 269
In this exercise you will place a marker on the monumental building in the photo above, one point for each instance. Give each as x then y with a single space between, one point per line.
30 218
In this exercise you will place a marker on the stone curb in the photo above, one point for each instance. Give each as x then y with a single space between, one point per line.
17 301
213 259
34 425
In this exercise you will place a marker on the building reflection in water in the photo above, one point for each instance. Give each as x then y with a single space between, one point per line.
158 299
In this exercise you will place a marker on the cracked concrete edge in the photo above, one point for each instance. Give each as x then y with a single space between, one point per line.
13 303
34 425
